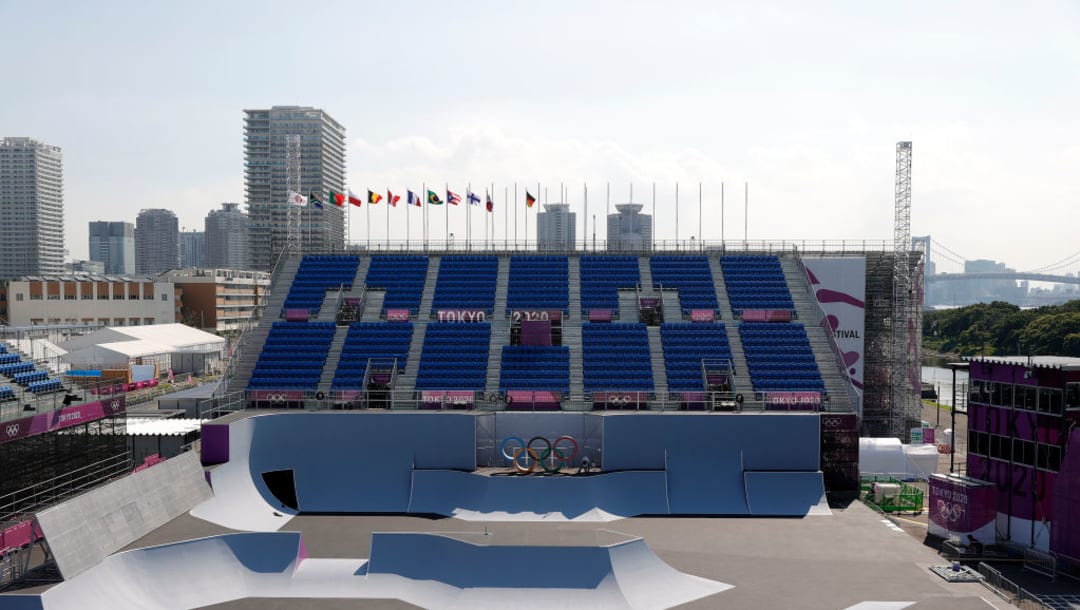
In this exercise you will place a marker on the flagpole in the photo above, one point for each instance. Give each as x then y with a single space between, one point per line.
746 210
468 217
408 215
515 215
387 219
368 222
424 214
701 238
676 214
721 216
585 230
652 230
607 213
446 224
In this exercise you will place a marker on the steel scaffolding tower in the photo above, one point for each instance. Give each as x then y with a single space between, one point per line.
903 376
294 235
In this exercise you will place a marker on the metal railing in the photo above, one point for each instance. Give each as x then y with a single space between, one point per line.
1008 590
401 400
440 246
22 502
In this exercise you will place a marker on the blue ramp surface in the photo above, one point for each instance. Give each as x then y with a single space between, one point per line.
783 494
359 462
623 494
706 481
768 442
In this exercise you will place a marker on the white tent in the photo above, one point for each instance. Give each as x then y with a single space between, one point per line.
170 346
887 457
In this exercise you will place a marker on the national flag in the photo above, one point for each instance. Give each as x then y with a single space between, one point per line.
337 199
433 199
473 198
315 201
373 198
414 199
297 199
530 201
453 198
490 203
354 200
392 198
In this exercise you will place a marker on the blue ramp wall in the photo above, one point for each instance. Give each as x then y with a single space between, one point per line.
778 494
359 462
706 481
768 442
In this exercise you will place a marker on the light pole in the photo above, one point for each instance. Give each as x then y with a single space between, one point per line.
952 410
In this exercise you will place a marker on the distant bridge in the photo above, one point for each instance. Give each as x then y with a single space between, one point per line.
1004 275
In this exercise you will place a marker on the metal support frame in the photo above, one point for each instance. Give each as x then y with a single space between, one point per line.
294 235
904 405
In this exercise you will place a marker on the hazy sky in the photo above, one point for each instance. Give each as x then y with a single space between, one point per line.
805 101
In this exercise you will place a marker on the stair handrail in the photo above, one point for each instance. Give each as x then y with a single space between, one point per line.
830 335
249 324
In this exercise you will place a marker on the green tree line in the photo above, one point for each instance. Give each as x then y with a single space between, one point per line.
1000 328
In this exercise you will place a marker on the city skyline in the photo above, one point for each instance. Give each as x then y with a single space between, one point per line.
804 103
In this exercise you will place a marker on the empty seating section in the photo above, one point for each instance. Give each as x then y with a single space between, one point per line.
601 279
293 356
402 277
691 275
454 356
7 393
316 275
539 283
755 282
780 357
15 368
685 346
466 282
616 357
366 340
9 358
24 379
48 385
535 367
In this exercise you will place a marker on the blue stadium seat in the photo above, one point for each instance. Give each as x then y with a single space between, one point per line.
780 357
691 275
685 346
755 282
535 367
466 282
316 275
367 340
7 393
538 283
293 356
616 357
454 356
402 277
601 279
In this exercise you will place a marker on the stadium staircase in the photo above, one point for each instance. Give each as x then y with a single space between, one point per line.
500 329
405 383
333 356
646 284
372 307
571 333
808 312
333 299
721 289
252 340
656 359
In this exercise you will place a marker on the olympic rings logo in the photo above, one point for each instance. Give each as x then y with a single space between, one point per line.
275 398
525 457
950 512
114 405
12 430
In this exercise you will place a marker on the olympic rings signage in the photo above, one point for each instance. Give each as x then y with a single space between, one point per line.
58 419
550 456
276 397
621 399
12 430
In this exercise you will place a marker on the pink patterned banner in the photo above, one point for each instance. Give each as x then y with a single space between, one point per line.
704 315
397 315
459 399
61 418
793 400
766 315
962 507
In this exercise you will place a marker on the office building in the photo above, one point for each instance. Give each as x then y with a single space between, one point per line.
226 238
629 229
556 227
218 300
157 242
321 168
31 208
113 243
192 250
90 299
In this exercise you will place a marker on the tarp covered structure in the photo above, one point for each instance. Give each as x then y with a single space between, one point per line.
888 457
170 346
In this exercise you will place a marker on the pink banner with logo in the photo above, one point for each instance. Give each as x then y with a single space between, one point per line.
19 536
621 400
61 418
528 400
397 315
703 315
447 399
536 316
600 315
793 400
277 397
766 315
961 506
461 315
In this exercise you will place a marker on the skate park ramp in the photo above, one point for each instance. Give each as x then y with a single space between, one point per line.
429 570
425 463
